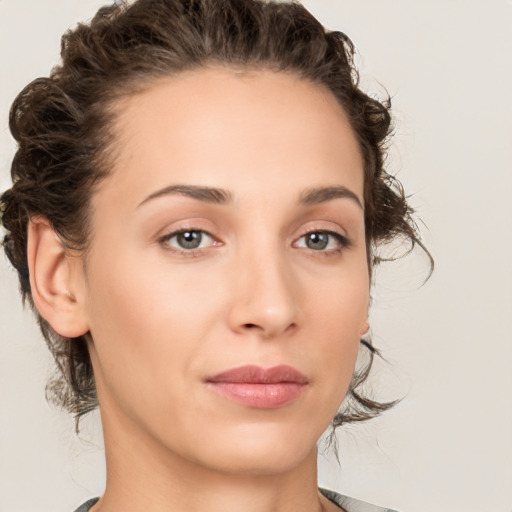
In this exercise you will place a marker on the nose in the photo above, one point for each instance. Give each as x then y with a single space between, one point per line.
265 301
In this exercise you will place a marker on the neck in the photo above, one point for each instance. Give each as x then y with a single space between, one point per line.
142 475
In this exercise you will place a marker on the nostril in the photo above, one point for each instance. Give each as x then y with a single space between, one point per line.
268 331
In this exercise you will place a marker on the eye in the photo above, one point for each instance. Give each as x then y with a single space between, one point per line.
188 239
322 241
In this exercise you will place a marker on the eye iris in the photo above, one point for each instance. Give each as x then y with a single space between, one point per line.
189 239
317 241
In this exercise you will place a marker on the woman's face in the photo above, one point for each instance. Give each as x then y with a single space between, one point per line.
226 288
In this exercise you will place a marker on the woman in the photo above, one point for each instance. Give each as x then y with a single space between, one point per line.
198 198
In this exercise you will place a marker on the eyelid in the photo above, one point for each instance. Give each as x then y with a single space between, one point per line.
182 224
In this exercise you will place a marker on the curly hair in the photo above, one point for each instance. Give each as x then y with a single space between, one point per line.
63 128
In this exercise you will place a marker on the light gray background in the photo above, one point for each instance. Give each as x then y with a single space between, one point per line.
448 446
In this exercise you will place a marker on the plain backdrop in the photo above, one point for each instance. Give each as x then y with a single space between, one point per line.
448 344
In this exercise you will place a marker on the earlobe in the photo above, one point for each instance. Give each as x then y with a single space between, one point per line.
52 280
365 327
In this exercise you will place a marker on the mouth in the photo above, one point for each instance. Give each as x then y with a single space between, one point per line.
260 388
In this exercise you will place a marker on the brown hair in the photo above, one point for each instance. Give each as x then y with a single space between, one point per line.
62 125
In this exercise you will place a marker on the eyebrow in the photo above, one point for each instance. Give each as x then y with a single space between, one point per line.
215 195
322 194
201 193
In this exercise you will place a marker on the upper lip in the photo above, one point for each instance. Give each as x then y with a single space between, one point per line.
253 374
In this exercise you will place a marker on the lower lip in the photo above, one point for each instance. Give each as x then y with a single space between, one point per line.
260 396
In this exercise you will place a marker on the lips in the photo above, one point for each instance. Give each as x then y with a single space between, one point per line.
261 388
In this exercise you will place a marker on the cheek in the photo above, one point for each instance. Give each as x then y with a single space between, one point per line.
340 314
340 304
152 319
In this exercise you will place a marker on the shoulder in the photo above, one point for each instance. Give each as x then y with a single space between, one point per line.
351 504
87 505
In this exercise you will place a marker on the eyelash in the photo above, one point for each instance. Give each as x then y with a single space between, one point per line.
343 242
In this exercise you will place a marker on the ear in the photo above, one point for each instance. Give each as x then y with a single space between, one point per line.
365 327
54 280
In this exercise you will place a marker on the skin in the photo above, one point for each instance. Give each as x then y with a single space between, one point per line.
162 319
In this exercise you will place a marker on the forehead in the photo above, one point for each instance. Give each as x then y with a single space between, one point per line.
229 128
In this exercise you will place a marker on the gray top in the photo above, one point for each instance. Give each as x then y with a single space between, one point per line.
346 503
87 505
351 504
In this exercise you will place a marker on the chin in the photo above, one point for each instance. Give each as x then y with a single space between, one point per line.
259 450
262 463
